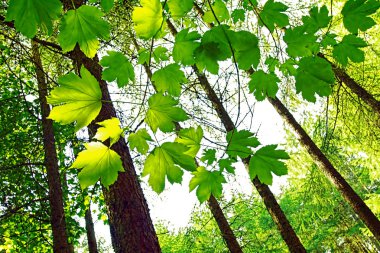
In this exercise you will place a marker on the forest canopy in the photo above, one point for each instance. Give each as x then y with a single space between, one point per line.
107 105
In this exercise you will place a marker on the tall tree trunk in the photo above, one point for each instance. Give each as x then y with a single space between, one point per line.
217 212
130 224
91 238
354 86
58 223
360 208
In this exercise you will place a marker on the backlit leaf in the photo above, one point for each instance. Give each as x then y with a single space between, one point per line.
356 14
219 9
191 138
139 140
263 85
179 8
185 44
169 79
349 48
239 143
273 14
148 19
117 66
110 129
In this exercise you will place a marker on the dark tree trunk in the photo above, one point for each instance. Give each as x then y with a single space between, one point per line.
58 223
91 238
360 208
355 87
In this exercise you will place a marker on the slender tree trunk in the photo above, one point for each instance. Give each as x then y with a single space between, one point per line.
217 212
283 225
354 86
91 238
360 208
58 223
130 224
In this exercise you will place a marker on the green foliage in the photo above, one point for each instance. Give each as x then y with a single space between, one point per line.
31 14
356 14
110 129
148 19
246 49
238 15
97 161
179 8
117 66
185 44
169 79
314 76
300 43
317 19
209 156
191 138
273 14
83 26
163 112
226 164
76 99
349 48
265 161
107 5
263 85
239 143
163 162
218 12
207 183
139 140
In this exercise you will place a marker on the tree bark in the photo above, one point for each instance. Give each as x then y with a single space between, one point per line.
360 208
91 238
354 86
58 223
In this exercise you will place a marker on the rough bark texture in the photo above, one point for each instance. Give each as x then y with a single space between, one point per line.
91 238
360 208
57 215
354 86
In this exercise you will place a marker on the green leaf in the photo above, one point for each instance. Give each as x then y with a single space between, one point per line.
238 15
239 143
148 19
226 164
110 130
191 138
287 68
267 160
272 63
209 156
328 40
139 140
207 183
31 14
107 5
160 54
116 66
317 19
83 26
349 49
219 9
169 79
272 14
162 163
314 76
144 56
179 8
246 49
300 43
263 85
162 112
77 99
355 14
97 161
184 47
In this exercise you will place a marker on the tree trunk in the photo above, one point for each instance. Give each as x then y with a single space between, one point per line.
91 238
354 86
58 223
360 208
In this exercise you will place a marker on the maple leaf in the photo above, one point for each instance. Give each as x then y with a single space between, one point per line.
267 160
272 13
263 85
97 161
348 48
317 19
191 138
355 14
31 14
83 26
239 143
300 43
226 164
162 112
169 79
110 130
219 9
148 19
207 183
314 76
76 99
184 47
209 156
117 67
179 8
139 140
246 49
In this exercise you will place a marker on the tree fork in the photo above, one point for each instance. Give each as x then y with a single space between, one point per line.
360 208
217 212
57 214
